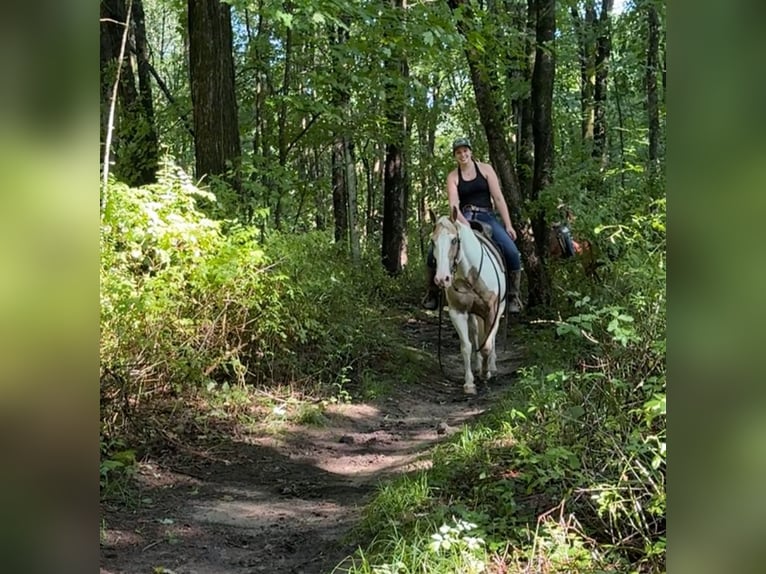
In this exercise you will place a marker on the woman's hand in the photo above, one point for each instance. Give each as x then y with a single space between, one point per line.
511 231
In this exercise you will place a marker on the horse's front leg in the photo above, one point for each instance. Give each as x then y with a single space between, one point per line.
480 357
460 321
474 334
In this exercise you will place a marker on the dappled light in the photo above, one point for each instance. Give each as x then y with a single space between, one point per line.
275 393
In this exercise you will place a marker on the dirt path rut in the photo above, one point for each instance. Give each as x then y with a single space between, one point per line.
286 504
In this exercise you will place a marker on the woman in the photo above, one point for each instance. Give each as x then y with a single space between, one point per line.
473 188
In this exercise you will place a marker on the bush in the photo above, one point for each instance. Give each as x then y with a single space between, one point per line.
188 302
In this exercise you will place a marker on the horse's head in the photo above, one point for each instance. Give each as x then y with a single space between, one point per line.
446 241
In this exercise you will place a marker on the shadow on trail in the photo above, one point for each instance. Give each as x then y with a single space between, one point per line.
286 501
233 507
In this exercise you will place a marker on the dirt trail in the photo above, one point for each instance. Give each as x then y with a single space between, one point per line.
286 504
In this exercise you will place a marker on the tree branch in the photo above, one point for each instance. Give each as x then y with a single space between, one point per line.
164 88
303 131
113 106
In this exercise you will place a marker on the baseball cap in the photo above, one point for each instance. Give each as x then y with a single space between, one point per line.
461 142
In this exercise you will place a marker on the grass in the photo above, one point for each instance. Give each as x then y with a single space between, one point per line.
508 494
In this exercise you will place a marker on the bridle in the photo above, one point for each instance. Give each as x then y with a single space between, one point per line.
456 243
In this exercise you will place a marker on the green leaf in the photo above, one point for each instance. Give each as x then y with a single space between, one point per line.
576 412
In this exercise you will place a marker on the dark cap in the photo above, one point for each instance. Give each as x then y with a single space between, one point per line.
461 142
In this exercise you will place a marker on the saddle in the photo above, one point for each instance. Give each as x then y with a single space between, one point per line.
564 237
484 232
481 227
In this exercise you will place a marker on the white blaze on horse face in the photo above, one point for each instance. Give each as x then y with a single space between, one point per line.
445 247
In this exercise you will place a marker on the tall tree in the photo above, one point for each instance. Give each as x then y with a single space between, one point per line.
340 100
593 33
135 148
584 30
525 157
351 186
603 52
395 186
283 144
652 94
542 100
491 111
211 74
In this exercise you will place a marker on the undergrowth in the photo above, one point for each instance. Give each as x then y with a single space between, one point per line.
567 472
200 314
203 321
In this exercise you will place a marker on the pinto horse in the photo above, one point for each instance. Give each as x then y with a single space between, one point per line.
471 271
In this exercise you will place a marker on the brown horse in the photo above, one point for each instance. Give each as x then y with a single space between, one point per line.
562 245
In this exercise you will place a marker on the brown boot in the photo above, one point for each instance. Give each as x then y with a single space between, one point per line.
431 299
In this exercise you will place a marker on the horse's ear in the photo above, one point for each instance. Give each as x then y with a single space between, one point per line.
453 214
432 216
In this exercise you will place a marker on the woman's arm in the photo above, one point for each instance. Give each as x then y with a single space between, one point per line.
498 199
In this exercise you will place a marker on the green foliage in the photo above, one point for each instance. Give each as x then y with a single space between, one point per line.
189 303
116 468
567 472
454 546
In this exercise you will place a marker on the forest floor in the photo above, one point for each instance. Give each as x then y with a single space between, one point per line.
286 503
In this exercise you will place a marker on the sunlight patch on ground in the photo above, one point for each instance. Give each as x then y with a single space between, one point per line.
250 514
354 412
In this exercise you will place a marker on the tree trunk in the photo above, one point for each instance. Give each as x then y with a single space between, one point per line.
211 75
394 241
542 98
621 131
584 30
368 177
603 53
526 144
374 162
652 96
319 199
134 149
340 100
282 136
339 191
394 253
150 143
351 188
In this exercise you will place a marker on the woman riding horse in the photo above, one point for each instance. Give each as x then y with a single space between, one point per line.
472 188
470 270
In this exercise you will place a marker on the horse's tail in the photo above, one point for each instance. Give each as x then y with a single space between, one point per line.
493 318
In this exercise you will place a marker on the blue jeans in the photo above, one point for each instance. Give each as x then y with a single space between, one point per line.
499 236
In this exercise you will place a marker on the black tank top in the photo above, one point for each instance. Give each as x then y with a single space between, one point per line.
473 192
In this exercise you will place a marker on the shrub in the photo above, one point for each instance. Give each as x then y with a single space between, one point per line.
188 302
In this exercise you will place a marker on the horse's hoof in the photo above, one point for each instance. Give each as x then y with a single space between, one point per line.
469 389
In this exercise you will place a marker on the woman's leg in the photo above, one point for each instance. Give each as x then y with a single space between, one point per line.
504 241
512 260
